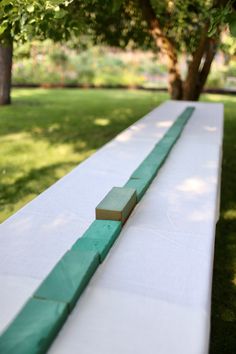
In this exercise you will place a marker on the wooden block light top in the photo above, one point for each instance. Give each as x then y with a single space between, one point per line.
117 204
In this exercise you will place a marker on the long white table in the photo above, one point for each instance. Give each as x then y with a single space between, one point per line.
152 294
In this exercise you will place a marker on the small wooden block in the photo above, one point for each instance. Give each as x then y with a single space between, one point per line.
103 229
69 277
187 112
183 117
140 185
86 244
174 133
34 328
117 204
145 171
168 140
157 157
99 237
160 149
177 127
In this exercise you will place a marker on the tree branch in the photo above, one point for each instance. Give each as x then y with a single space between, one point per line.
193 68
210 54
155 30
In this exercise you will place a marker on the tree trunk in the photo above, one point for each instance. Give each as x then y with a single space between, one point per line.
199 69
200 64
6 52
175 88
166 47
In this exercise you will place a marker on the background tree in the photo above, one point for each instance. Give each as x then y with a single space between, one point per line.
171 27
22 20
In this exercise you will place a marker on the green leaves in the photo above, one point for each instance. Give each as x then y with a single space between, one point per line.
25 19
30 8
116 4
3 27
222 17
232 23
60 13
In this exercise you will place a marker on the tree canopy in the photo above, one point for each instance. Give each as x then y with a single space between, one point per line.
124 22
190 27
117 22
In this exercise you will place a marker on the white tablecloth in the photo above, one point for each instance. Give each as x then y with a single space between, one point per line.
152 293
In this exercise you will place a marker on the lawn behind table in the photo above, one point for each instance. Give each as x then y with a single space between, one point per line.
45 133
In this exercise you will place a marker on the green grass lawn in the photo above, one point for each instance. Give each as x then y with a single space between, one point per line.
45 133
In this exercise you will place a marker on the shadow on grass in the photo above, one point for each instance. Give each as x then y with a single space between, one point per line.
67 116
32 184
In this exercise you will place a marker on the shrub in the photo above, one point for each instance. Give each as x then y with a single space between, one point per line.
49 63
